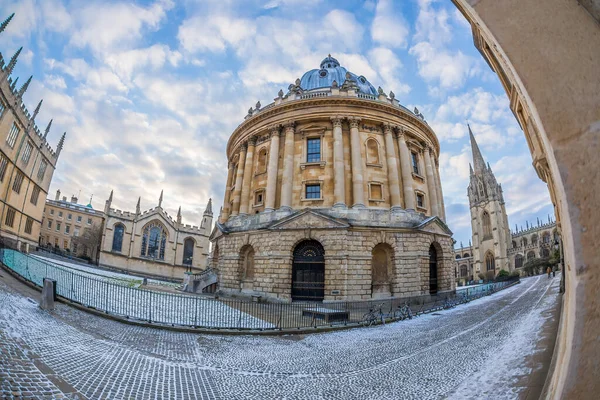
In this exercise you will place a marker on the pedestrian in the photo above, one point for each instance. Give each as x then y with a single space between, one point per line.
548 271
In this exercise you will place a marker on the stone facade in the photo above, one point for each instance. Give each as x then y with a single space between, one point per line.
536 241
64 220
342 164
152 243
27 161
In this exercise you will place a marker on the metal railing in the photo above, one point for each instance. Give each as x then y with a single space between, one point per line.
117 298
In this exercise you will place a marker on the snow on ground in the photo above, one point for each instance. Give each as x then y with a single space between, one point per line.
475 350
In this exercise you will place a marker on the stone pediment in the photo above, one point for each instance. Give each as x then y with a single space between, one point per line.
308 219
434 225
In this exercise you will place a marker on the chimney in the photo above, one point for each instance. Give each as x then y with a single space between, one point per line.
73 199
57 195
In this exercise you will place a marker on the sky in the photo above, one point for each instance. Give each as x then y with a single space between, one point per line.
149 92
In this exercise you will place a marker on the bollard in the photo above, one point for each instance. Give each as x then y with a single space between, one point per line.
48 294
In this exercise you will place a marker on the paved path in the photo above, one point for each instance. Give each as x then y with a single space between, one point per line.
478 350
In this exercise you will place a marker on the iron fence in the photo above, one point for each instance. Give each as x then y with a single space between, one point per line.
119 299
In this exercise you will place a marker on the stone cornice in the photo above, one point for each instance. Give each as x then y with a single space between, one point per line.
253 123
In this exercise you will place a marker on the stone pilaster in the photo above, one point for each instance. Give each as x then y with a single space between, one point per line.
239 179
405 168
226 197
272 169
245 197
442 208
358 189
288 166
392 167
339 178
431 183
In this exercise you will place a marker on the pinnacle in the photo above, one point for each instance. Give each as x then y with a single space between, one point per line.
478 162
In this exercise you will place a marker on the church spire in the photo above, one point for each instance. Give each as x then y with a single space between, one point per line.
160 199
208 209
4 23
137 207
478 163
179 216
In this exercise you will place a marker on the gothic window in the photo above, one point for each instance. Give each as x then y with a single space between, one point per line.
42 169
534 240
530 255
3 166
514 244
12 135
518 261
18 182
27 152
117 243
154 241
466 255
415 162
188 251
463 271
487 225
490 262
546 238
457 256
261 164
373 152
524 240
313 152
480 189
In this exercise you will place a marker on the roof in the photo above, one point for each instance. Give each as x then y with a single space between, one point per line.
330 71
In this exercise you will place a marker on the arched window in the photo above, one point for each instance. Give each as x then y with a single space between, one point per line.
373 152
490 262
154 241
518 261
534 239
487 225
188 251
433 270
546 238
463 271
524 241
457 256
117 244
261 162
530 255
514 244
466 255
381 265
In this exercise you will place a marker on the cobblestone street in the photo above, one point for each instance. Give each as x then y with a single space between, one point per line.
478 350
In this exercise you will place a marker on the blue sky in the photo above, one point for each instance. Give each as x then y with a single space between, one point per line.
149 92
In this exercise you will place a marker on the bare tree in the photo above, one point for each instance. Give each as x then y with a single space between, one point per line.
88 243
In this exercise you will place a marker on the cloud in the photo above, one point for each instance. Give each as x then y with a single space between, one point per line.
213 33
389 27
388 67
448 69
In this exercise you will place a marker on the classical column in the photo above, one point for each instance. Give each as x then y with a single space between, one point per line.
288 167
436 171
407 179
431 184
358 189
339 177
239 179
392 167
245 197
272 169
226 197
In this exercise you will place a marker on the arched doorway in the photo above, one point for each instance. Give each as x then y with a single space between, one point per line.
381 264
308 271
433 269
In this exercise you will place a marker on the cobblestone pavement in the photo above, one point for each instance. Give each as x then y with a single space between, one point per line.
474 351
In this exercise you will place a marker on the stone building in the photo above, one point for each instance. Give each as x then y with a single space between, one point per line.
535 241
63 220
152 243
27 161
333 193
489 222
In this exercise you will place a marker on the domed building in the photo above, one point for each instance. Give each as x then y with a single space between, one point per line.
333 193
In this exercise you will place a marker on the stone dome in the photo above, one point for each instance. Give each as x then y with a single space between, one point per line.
330 70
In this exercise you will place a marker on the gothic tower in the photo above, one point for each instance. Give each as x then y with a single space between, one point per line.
491 234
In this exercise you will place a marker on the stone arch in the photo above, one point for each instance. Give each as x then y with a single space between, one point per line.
524 241
546 237
534 239
382 262
261 161
154 240
246 268
466 255
457 256
373 151
435 268
308 271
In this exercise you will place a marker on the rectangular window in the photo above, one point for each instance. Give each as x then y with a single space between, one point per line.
313 153
55 242
420 201
12 135
60 214
69 216
49 223
18 182
10 217
35 193
258 198
3 166
415 162
58 226
65 244
2 108
313 191
79 218
27 152
42 170
52 211
76 232
28 225
67 229
376 192
89 221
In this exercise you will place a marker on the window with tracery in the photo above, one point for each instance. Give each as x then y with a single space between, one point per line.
117 244
154 241
490 262
487 225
